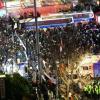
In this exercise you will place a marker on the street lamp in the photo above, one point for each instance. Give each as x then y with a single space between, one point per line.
35 12
57 79
98 2
37 41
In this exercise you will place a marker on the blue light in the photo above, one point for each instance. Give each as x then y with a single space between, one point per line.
2 13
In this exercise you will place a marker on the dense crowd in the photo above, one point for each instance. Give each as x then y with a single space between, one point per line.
90 34
65 41
56 43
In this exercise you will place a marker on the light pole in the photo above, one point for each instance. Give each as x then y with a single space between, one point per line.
37 41
57 80
35 12
37 52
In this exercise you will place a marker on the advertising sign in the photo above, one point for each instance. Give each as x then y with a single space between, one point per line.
26 6
48 23
96 69
1 4
97 18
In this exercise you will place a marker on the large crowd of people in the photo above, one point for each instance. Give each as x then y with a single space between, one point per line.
55 43
50 39
90 35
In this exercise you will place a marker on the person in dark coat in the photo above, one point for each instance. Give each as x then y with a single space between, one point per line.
44 90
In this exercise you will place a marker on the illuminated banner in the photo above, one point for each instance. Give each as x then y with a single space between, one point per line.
1 4
44 7
50 2
48 23
40 2
96 69
82 19
47 26
28 3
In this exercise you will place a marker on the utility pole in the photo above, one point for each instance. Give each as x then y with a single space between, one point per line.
37 42
37 53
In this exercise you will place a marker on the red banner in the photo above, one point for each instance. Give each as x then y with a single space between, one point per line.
1 4
44 7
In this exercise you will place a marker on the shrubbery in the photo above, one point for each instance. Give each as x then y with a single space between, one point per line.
92 90
17 87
